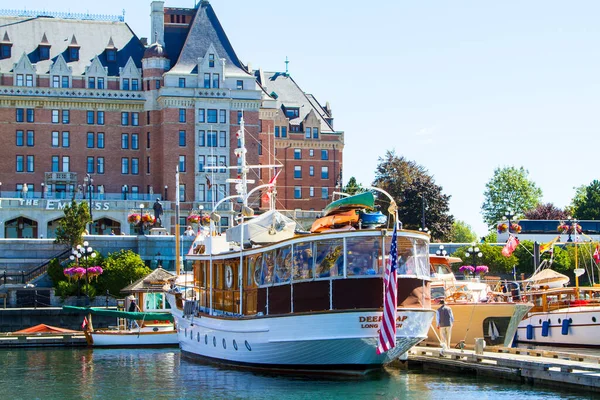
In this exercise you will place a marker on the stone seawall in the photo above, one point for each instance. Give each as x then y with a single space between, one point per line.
14 319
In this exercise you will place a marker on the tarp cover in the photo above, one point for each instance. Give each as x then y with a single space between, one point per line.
150 316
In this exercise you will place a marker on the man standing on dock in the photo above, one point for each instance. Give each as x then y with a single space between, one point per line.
445 319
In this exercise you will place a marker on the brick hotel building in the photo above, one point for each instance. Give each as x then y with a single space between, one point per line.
89 110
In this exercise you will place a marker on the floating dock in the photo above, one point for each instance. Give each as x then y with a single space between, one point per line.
41 340
565 370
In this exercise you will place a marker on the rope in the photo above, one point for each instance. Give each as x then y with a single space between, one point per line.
470 322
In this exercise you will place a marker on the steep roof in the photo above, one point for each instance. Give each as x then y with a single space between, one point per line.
152 282
289 95
204 31
91 37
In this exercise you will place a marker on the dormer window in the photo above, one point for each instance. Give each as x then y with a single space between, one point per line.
5 47
44 52
74 53
111 55
211 60
292 112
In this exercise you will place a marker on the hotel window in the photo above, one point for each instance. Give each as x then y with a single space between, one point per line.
223 163
90 165
124 166
20 141
90 117
222 116
283 131
240 85
44 52
55 116
56 81
135 84
111 55
55 139
297 154
311 170
201 163
182 115
181 82
307 135
20 81
125 83
324 172
90 140
211 60
181 192
124 140
324 192
91 82
292 112
181 163
240 115
30 138
201 115
66 161
182 138
66 117
222 139
260 150
135 141
30 115
135 119
158 83
201 139
29 80
212 116
54 163
135 191
297 192
20 167
147 140
100 140
297 171
100 83
201 193
311 191
124 118
65 139
324 155
215 81
311 152
5 51
100 165
276 131
64 82
135 166
74 53
211 138
100 117
315 133
206 81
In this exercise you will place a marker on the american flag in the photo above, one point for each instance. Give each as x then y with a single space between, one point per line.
387 331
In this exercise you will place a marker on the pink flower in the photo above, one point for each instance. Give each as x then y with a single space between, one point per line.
482 269
467 269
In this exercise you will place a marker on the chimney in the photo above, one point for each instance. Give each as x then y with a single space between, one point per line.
157 17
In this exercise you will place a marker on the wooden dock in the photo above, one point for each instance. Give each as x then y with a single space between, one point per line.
565 370
41 340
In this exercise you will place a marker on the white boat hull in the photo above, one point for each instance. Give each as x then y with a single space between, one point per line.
135 338
584 330
330 340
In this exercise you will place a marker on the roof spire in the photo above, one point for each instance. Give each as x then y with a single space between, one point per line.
286 65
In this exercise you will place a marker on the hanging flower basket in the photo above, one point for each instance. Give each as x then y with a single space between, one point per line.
94 272
569 228
194 219
467 269
148 219
502 227
133 218
516 228
205 220
482 270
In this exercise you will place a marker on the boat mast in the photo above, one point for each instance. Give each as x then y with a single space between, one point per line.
177 255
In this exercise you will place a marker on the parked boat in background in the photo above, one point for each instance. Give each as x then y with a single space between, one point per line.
479 311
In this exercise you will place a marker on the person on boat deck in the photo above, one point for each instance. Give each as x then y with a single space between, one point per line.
132 308
189 231
444 319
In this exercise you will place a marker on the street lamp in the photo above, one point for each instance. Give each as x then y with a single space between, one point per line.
124 189
0 189
508 214
473 251
87 252
88 186
166 188
441 251
141 218
43 187
75 256
572 223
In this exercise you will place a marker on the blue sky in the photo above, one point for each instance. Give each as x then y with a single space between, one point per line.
461 87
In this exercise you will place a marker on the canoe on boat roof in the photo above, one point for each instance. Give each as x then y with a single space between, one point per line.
335 221
364 200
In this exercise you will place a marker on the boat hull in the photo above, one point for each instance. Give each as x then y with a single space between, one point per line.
584 330
325 341
472 320
133 338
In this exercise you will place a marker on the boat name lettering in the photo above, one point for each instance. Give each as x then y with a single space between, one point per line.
373 321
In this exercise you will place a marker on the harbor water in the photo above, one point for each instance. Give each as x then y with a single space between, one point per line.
82 373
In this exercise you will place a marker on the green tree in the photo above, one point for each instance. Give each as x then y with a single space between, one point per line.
462 233
509 189
579 197
121 269
72 226
588 206
353 187
414 191
56 272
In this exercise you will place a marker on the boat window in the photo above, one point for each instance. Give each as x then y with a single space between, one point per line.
268 267
284 264
413 256
154 301
303 261
329 260
363 255
250 270
258 275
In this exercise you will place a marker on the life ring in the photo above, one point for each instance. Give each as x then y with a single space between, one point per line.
228 276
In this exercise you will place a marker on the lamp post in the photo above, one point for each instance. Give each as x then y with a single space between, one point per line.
75 256
87 252
572 224
158 260
508 214
88 186
473 251
141 218
0 189
43 187
166 188
125 188
441 251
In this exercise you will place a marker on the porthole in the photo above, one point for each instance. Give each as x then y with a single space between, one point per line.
224 344
570 320
205 339
235 345
559 320
248 345
593 319
198 337
540 321
214 341
549 321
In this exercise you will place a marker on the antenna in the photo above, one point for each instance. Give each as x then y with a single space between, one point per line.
286 65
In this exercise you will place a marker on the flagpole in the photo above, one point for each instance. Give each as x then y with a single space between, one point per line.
177 255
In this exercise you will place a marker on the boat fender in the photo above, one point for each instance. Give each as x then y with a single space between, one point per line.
565 326
529 332
545 328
